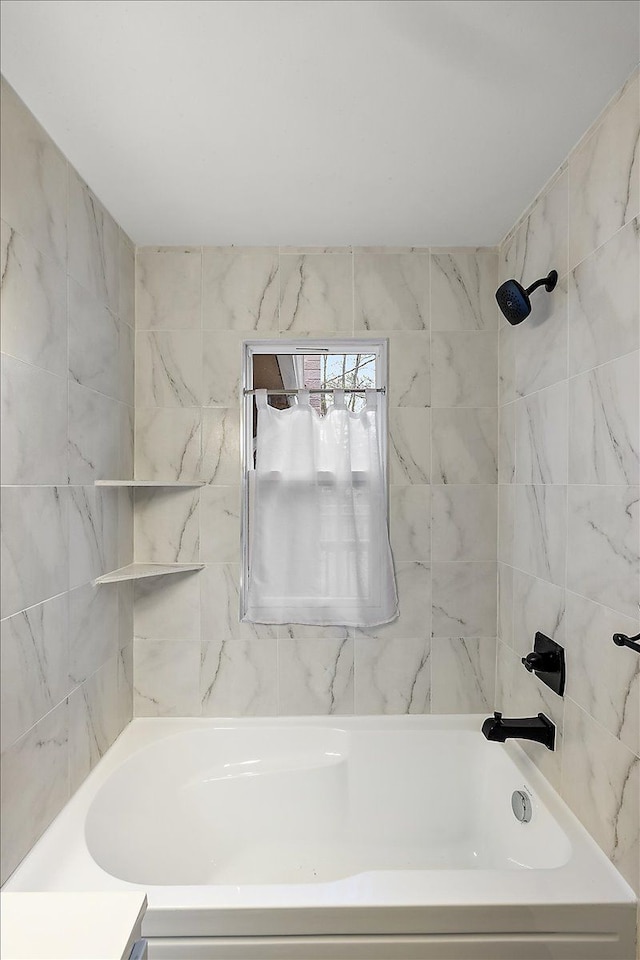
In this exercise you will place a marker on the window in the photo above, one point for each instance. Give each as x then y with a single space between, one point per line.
280 366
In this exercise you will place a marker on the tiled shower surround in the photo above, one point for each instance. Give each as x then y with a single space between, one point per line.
67 420
194 308
569 525
537 424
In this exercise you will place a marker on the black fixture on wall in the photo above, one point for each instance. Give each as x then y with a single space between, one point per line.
622 640
547 662
514 300
539 729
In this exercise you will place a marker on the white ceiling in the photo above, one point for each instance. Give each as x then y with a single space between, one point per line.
378 122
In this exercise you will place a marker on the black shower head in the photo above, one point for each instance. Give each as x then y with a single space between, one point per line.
514 300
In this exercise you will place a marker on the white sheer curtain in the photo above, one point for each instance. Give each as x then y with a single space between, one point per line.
319 550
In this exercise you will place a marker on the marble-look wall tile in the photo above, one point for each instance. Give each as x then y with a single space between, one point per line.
93 721
167 608
506 522
392 676
505 603
238 678
413 582
310 631
168 288
322 311
167 444
604 179
67 418
521 694
316 294
507 443
537 606
541 344
540 243
601 783
94 244
462 674
127 441
391 291
315 677
220 524
93 629
463 286
166 678
125 687
464 445
125 389
464 522
240 290
34 179
93 533
540 524
507 363
602 678
220 607
410 522
33 297
409 369
541 436
604 302
221 445
94 343
409 445
34 786
34 424
168 368
464 599
166 526
34 668
95 435
603 561
222 364
125 526
604 424
125 613
34 546
464 369
575 364
127 280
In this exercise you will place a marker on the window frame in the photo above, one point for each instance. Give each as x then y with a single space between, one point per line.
379 346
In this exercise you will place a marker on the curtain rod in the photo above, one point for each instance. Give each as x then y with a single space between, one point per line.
288 393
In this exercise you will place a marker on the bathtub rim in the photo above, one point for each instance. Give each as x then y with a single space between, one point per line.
380 902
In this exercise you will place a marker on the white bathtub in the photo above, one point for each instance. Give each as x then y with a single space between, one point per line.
361 838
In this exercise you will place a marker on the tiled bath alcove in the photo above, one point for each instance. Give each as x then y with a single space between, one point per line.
513 459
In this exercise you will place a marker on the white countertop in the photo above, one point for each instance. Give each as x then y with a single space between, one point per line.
70 926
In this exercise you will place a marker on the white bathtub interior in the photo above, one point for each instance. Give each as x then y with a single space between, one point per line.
286 805
245 832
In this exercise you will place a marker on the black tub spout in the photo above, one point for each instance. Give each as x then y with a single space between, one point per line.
539 729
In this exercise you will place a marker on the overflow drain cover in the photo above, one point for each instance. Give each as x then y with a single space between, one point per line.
521 806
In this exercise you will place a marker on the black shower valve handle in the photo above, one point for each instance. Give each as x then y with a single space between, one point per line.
546 660
622 640
539 661
531 661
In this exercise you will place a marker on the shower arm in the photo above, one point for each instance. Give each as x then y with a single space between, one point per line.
548 282
534 286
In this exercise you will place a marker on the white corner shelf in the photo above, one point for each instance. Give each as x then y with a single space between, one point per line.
149 483
139 571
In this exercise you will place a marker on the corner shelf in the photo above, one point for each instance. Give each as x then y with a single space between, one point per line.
149 483
139 571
